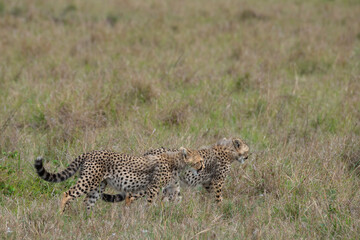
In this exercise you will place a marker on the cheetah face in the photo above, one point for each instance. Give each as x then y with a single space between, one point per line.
238 146
192 158
241 148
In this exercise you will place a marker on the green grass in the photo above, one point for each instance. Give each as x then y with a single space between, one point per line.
128 76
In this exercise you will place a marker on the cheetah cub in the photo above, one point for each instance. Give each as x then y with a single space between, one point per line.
217 162
125 173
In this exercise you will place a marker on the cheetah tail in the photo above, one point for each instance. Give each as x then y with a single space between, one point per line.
61 176
113 198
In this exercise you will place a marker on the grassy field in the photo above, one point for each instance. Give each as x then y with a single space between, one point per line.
131 75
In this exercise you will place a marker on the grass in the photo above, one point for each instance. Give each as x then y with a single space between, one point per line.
132 75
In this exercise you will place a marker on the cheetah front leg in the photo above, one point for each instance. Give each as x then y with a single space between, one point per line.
217 183
171 191
161 178
215 186
217 189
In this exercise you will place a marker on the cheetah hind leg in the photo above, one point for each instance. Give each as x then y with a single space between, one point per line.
94 195
78 190
64 205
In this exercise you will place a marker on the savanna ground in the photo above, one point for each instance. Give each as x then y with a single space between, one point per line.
132 75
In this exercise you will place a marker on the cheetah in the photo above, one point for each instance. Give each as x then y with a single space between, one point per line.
217 162
123 172
172 186
218 159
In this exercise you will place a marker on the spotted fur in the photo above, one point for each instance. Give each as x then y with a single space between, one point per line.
124 173
217 162
172 185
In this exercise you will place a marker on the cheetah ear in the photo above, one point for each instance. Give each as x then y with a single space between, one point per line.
237 143
183 151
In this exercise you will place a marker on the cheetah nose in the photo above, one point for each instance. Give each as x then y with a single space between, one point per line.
246 157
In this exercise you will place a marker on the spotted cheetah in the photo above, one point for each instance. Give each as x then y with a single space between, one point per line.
172 186
124 173
218 159
217 162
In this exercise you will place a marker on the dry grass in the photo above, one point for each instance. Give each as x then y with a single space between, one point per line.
132 75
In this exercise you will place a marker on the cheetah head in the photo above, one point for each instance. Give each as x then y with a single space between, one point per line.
238 147
192 158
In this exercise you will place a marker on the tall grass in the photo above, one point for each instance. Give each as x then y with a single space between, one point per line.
132 75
